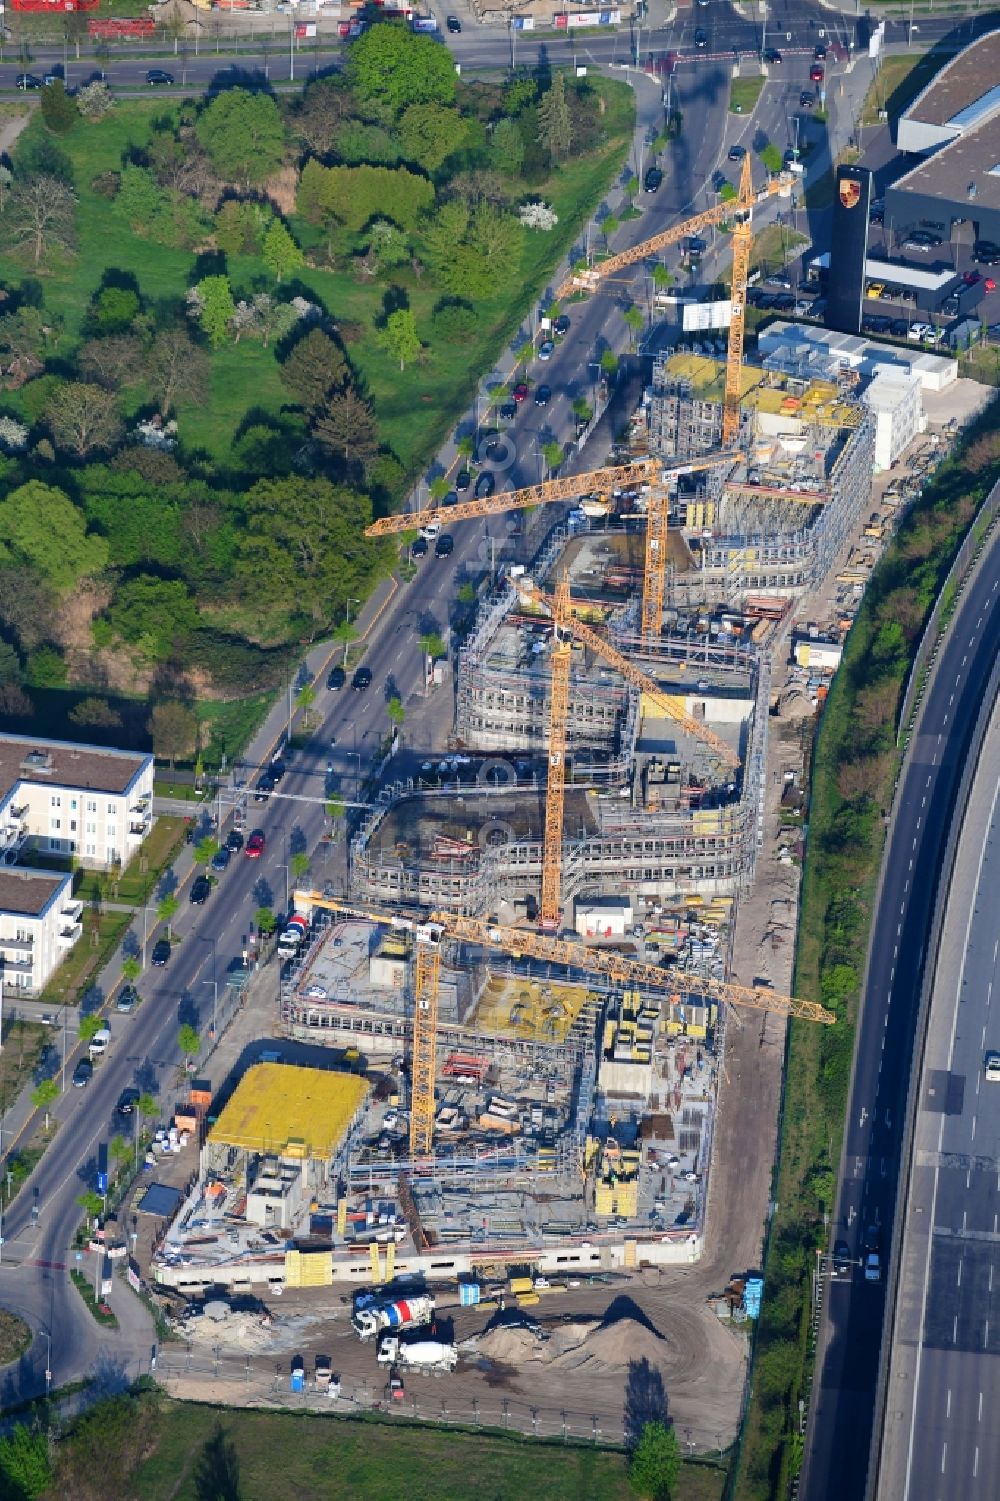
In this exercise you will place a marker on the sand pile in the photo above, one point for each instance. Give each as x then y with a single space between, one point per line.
569 1336
612 1346
512 1346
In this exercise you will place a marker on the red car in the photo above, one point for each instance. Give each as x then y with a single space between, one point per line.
520 391
255 845
989 285
816 73
971 277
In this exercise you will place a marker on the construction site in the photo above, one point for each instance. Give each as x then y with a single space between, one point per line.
519 1010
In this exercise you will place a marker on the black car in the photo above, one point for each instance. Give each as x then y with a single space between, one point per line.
820 53
444 546
737 153
841 1259
877 216
201 890
337 678
83 1073
222 857
463 479
880 324
418 547
161 953
784 302
701 37
157 78
485 484
508 410
26 81
127 1101
806 100
772 55
128 999
234 842
652 180
264 788
362 679
899 328
543 395
985 253
560 325
453 24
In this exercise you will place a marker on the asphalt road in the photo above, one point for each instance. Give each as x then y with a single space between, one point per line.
954 1441
840 1425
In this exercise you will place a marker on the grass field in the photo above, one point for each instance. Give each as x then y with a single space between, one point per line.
415 408
364 1461
22 1045
898 82
744 93
86 958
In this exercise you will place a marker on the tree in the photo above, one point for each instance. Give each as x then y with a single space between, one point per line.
152 614
432 645
387 247
555 126
262 318
89 1027
24 1462
609 363
243 135
114 310
40 214
661 276
41 526
215 307
324 105
399 337
655 1462
389 69
188 1040
299 864
610 225
43 1097
582 410
205 850
95 713
173 729
345 425
59 111
396 712
432 133
131 969
176 370
474 251
631 187
314 368
553 455
146 1109
772 158
265 921
95 100
118 360
83 418
507 148
280 253
167 909
635 320
139 196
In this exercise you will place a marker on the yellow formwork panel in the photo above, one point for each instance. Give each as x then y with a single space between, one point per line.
296 1112
511 1006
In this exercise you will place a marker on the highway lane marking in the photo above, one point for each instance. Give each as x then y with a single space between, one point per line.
937 1173
959 1283
947 1405
980 1418
975 1463
954 1337
928 781
944 1453
986 1335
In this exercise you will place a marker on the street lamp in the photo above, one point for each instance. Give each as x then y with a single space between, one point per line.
284 867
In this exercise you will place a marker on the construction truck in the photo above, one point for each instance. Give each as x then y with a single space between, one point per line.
428 1355
402 1313
293 936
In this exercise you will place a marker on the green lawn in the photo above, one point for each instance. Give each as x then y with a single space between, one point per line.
86 958
365 1461
140 876
22 1044
744 93
898 82
416 408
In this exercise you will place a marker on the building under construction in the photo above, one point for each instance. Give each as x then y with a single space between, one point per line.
774 522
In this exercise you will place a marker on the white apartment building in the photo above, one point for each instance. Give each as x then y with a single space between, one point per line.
39 923
895 402
81 800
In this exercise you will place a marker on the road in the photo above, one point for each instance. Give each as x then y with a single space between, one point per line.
840 1425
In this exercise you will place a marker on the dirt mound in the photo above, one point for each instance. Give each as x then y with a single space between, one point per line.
512 1346
612 1346
568 1337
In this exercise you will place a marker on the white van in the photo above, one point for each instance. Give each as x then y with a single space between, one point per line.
100 1041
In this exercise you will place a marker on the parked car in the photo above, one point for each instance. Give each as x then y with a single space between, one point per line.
463 479
444 546
157 78
561 325
127 1101
543 395
361 680
336 679
986 253
652 180
201 890
971 277
520 391
899 328
83 1073
256 842
546 349
128 999
222 857
26 81
161 953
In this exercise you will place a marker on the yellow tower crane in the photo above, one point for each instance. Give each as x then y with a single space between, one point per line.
431 929
740 209
555 781
656 473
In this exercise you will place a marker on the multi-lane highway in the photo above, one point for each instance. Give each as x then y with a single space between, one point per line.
840 1425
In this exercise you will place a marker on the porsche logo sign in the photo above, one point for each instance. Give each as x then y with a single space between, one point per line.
850 192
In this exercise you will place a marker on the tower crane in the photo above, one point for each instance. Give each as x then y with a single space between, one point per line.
561 608
589 279
431 929
654 472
